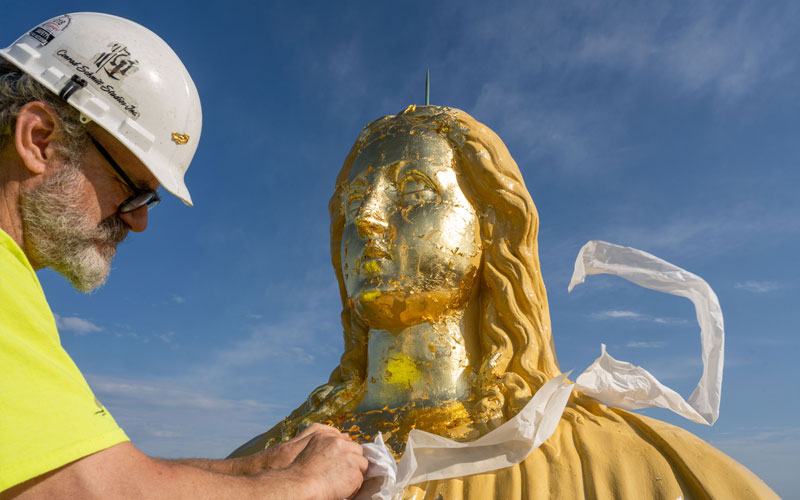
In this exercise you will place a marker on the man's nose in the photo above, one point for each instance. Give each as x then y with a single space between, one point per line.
136 220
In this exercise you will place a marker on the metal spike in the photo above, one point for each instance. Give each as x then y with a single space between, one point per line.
428 88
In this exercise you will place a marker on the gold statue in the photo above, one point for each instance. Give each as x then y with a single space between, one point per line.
447 329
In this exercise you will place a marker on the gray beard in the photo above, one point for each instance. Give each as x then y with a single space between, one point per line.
59 235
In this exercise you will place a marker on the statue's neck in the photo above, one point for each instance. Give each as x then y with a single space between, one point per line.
428 363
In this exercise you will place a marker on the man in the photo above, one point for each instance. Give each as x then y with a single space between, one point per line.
95 113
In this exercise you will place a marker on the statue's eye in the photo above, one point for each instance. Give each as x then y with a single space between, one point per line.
417 188
352 204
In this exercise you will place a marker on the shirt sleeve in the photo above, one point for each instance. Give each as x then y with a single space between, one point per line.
49 416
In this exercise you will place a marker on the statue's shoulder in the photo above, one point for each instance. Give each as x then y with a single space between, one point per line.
260 442
647 453
605 453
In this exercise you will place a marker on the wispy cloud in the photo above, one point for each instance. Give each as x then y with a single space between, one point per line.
170 419
565 137
710 46
281 345
76 325
700 50
167 338
679 370
301 338
200 411
704 233
633 315
771 341
645 345
757 286
178 299
165 394
613 314
772 453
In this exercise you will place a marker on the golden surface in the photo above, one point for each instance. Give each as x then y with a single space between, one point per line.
180 139
447 329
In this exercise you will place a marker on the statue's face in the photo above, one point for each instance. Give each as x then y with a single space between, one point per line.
411 243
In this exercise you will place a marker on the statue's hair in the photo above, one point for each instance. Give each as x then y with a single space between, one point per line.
18 88
517 348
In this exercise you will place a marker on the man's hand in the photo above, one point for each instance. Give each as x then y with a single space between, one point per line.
279 456
332 461
327 465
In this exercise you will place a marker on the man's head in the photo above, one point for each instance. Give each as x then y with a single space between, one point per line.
95 113
59 234
69 205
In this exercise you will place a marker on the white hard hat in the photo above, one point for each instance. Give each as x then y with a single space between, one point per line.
126 79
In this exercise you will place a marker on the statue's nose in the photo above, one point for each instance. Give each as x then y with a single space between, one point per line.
372 220
370 224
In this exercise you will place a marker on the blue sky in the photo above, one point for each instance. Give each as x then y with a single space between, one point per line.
669 128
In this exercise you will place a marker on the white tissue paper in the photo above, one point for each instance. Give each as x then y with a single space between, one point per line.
615 383
429 457
620 384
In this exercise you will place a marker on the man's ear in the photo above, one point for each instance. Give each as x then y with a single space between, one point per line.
37 130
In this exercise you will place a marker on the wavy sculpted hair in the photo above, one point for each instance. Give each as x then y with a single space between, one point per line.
517 347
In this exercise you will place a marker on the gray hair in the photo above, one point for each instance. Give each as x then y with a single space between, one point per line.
17 88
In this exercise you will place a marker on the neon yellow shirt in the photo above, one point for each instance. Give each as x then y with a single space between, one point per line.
49 416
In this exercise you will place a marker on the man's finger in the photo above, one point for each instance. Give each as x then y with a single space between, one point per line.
316 428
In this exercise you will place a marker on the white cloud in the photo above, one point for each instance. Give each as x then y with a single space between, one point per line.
163 394
727 51
767 341
76 325
679 370
299 337
178 299
632 315
289 342
167 338
705 234
772 453
239 391
169 419
563 136
617 314
757 286
645 345
534 74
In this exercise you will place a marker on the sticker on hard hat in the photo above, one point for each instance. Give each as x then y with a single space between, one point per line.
115 63
48 30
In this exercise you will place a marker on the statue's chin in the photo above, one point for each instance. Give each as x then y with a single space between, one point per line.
395 310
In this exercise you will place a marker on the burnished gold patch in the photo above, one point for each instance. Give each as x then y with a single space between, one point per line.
180 138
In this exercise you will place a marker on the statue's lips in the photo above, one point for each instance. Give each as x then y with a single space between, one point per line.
369 263
375 250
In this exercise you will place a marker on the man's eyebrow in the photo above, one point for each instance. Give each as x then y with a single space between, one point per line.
140 184
143 185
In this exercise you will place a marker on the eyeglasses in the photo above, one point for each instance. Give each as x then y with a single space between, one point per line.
140 197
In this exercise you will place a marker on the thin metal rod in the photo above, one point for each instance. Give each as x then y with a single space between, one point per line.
428 88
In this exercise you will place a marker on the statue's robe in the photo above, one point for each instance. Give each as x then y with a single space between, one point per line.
598 452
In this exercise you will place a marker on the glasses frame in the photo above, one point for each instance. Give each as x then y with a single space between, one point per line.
140 197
